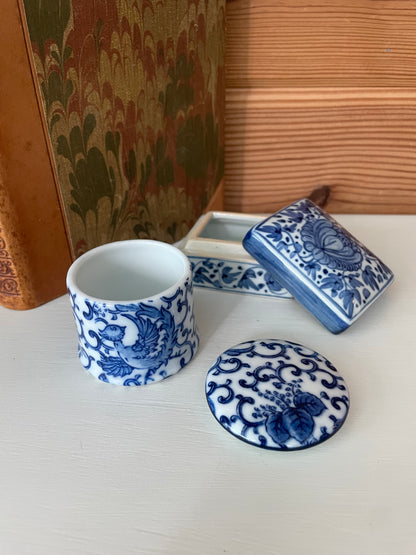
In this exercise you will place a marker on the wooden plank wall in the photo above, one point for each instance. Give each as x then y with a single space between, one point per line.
321 102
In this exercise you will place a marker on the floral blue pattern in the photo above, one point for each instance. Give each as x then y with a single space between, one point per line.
330 246
321 263
235 276
277 394
136 343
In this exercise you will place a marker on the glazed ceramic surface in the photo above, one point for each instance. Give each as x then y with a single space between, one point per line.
219 260
329 271
277 394
235 276
133 307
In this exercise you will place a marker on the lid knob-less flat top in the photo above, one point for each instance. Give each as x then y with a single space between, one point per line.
319 262
276 394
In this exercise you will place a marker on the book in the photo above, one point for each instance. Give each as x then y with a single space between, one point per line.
34 250
112 127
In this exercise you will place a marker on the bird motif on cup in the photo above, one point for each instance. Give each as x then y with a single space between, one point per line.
152 348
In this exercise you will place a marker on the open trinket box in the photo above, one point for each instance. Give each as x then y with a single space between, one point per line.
300 251
219 260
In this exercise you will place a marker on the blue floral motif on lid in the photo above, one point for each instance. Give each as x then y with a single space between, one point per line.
314 257
330 246
277 394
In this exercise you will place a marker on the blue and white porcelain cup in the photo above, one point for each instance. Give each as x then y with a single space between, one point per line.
133 307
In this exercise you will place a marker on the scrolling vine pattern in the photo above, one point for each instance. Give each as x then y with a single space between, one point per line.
277 394
136 343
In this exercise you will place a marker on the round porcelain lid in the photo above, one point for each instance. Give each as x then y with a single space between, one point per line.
276 394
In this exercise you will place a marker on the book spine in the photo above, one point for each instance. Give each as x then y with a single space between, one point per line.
15 292
9 287
34 250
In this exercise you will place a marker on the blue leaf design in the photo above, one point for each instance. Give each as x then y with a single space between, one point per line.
271 283
348 297
354 282
298 422
366 293
334 283
274 232
369 278
311 268
246 280
357 296
297 215
228 276
201 276
276 429
311 403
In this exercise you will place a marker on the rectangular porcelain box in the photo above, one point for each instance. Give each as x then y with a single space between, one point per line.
326 269
219 260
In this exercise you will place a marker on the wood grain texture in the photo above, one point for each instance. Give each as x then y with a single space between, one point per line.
361 144
321 95
290 43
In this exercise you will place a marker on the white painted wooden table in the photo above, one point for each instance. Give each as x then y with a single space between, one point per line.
90 468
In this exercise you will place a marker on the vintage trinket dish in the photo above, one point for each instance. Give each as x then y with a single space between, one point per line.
219 260
319 262
276 394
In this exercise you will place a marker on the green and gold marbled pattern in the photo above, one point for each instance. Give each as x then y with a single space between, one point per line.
133 96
